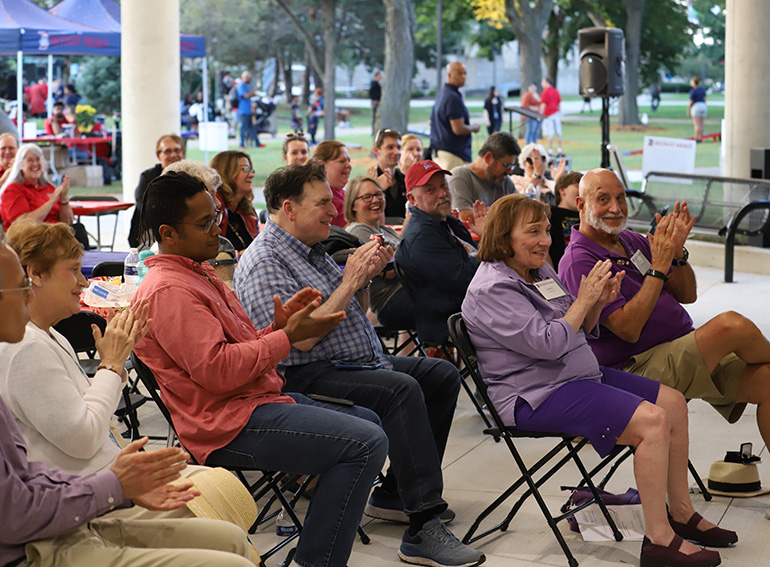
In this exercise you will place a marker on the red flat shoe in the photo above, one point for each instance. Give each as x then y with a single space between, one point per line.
713 537
654 555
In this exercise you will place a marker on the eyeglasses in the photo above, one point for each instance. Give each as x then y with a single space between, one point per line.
169 151
507 166
207 226
369 197
26 288
246 169
383 133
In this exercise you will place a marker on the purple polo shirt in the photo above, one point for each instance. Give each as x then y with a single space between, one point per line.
668 321
524 345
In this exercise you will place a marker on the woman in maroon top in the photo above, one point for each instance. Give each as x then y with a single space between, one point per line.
235 192
336 159
28 193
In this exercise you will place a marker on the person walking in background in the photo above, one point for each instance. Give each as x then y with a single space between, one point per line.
697 108
531 101
550 104
654 96
248 130
493 111
375 93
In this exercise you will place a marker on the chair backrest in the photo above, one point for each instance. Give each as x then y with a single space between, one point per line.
107 269
458 333
148 379
77 330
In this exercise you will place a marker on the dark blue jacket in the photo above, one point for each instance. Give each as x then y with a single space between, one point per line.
439 270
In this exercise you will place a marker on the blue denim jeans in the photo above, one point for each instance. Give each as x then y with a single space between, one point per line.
344 445
248 130
415 401
533 131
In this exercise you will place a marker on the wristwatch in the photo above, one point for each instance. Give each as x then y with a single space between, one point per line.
366 287
683 260
657 274
110 367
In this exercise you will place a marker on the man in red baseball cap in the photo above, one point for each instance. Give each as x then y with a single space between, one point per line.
437 251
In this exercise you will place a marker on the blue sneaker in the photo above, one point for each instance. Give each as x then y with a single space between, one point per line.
436 546
384 505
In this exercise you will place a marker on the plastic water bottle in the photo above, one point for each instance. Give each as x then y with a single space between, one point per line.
130 273
284 527
531 192
141 269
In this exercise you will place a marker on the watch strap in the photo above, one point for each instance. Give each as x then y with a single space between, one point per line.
657 274
683 260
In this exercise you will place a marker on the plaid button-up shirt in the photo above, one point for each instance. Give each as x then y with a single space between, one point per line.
277 263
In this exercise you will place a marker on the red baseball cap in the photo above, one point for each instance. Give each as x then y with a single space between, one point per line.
421 172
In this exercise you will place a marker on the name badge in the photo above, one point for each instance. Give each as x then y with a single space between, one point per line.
549 289
640 262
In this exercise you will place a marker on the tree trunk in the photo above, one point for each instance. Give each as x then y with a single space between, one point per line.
629 111
274 85
528 23
306 82
551 51
288 79
399 59
330 45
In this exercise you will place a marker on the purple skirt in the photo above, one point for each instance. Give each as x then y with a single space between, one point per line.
599 411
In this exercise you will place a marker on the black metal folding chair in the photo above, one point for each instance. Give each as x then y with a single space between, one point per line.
274 482
571 444
444 347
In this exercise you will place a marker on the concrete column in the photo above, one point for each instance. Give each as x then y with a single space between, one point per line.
747 82
150 82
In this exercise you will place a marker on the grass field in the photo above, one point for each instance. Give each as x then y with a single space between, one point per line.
582 138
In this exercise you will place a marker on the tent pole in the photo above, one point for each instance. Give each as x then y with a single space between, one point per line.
205 103
49 102
20 93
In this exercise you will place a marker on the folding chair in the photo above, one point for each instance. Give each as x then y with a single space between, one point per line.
399 344
407 284
573 445
269 481
77 330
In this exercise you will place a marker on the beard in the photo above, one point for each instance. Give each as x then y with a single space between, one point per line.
599 224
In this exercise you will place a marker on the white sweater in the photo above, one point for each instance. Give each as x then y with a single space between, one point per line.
64 417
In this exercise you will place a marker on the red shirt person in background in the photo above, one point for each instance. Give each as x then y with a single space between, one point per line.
550 101
28 194
54 125
38 93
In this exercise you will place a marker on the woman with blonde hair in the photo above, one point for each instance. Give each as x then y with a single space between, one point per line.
235 193
530 336
336 159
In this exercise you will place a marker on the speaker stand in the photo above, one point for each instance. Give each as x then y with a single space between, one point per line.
605 120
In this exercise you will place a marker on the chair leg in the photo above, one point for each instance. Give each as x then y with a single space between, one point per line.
702 487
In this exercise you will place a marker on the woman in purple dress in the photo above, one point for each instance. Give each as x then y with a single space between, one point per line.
529 333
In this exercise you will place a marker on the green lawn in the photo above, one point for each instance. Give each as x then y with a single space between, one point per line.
582 139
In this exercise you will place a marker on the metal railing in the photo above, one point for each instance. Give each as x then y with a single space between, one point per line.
723 206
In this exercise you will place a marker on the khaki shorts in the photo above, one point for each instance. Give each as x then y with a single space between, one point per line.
448 160
679 365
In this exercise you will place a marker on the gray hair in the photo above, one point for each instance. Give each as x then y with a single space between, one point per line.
528 149
16 175
210 177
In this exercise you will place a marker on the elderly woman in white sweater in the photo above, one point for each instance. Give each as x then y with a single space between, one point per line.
64 415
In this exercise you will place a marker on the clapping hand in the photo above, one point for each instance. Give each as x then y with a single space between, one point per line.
298 301
167 497
477 221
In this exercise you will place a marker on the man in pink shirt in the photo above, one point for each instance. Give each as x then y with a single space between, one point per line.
550 102
217 373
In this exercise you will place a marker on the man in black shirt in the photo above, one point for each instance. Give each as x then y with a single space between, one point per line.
375 93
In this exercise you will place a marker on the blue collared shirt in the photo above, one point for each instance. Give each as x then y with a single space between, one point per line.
276 263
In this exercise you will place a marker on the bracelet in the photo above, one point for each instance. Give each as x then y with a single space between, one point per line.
683 260
657 274
67 202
